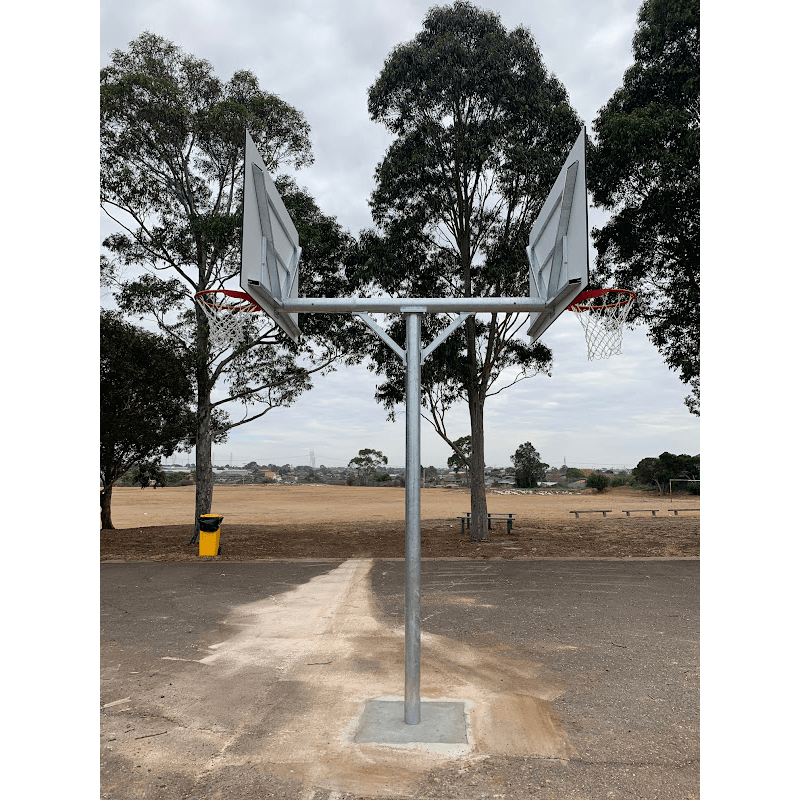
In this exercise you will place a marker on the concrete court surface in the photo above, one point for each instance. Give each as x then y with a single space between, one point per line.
248 680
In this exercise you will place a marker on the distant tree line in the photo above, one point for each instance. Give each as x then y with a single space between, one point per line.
659 471
480 127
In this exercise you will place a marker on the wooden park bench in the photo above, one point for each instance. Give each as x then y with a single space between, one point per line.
590 511
676 510
507 518
630 511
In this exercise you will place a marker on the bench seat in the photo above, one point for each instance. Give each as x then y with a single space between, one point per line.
590 511
507 518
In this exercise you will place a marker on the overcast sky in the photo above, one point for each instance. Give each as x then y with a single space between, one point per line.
321 57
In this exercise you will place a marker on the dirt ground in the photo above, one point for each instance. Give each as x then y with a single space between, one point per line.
274 522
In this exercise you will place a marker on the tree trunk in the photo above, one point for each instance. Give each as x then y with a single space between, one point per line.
105 508
479 531
204 476
477 481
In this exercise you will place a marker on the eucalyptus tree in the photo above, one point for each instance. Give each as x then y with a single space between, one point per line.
529 469
646 171
480 129
367 463
172 138
146 401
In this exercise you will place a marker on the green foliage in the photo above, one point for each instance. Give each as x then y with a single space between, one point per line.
688 486
574 474
618 480
146 399
366 463
646 170
480 131
171 162
171 137
149 473
648 471
146 405
178 478
596 480
658 471
383 477
529 469
462 452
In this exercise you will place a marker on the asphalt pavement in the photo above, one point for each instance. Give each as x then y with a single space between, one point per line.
212 676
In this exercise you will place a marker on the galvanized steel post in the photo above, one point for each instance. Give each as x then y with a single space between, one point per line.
413 461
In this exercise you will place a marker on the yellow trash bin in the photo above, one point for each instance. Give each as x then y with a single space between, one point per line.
209 534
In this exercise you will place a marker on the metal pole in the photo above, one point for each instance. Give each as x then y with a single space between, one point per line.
412 584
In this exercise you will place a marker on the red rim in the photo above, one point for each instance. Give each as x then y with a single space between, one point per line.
232 293
577 304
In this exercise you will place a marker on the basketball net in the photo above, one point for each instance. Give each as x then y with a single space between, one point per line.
602 313
229 314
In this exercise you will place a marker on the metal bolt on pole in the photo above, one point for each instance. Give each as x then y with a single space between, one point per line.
413 504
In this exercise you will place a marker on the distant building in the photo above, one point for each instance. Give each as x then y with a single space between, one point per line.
231 475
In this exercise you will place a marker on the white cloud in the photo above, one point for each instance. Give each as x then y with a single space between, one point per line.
321 57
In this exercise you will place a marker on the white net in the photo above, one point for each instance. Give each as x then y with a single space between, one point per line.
602 314
230 314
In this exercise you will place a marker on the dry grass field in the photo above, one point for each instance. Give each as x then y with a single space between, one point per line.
270 521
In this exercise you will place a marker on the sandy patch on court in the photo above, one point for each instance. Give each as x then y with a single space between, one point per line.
325 646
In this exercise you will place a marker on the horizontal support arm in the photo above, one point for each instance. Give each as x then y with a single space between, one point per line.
396 305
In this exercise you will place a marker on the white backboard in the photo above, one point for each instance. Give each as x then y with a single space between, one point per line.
558 248
270 244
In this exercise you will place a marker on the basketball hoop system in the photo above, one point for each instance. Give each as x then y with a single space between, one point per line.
228 312
602 313
558 267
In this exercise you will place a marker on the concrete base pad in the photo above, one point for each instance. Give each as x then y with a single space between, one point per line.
440 723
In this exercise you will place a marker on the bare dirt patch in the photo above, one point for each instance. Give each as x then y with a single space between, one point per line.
328 650
274 522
